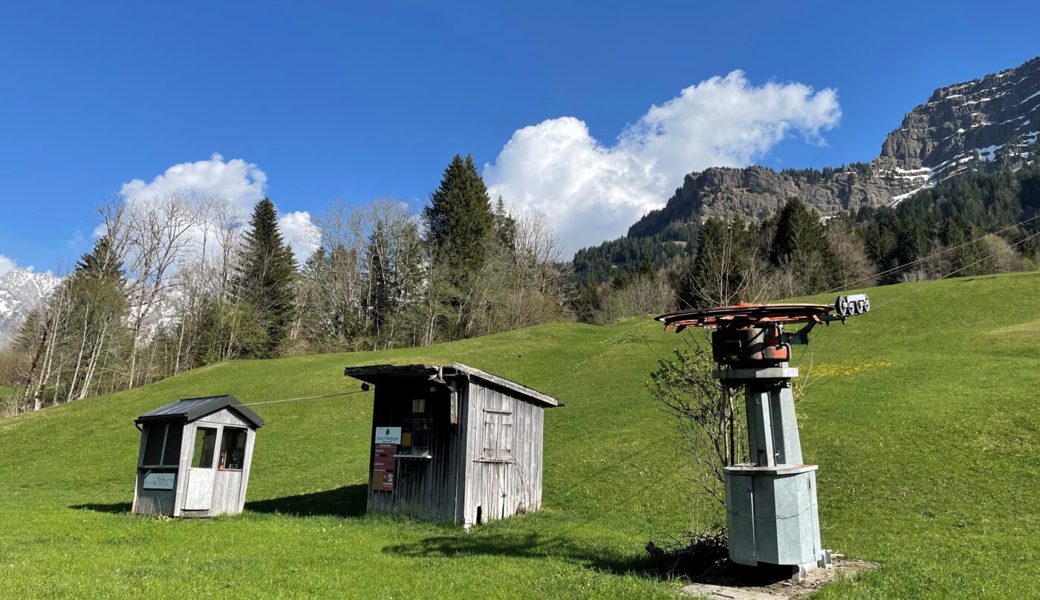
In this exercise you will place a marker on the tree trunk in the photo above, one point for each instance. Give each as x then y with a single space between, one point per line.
85 390
30 377
79 357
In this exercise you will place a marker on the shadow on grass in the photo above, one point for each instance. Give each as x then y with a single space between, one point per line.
589 555
346 501
116 508
530 545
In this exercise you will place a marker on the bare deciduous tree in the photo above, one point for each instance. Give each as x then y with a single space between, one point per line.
153 237
707 417
849 263
726 269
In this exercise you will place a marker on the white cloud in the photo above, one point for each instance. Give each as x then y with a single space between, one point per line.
6 264
235 182
593 192
300 232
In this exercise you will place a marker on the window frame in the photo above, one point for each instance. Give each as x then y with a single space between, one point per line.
496 421
231 433
164 447
215 431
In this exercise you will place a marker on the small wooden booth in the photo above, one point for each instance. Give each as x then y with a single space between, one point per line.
180 472
453 443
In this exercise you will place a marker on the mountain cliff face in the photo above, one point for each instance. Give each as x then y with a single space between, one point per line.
991 123
755 193
20 292
968 125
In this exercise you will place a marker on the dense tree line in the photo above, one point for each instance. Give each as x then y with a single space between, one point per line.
790 254
172 284
982 223
634 254
942 231
813 175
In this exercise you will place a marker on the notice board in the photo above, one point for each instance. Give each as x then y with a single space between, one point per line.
383 466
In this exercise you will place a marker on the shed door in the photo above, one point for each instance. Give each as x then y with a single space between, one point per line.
497 456
202 473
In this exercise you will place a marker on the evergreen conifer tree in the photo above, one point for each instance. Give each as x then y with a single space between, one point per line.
101 262
314 303
382 278
505 226
396 276
800 247
265 277
94 325
798 232
459 220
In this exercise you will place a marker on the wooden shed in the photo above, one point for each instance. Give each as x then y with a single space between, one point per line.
453 443
180 472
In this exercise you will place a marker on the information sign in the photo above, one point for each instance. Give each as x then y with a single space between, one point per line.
159 481
388 435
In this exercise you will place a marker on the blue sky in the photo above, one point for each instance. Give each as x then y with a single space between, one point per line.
357 102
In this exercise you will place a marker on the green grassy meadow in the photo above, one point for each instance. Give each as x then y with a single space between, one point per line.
922 415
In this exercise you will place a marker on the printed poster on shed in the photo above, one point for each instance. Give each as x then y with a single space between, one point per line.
384 465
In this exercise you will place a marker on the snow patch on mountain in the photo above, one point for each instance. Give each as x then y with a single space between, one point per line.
21 290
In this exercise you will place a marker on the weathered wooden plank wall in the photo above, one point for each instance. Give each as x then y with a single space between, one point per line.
228 496
504 470
423 488
229 492
485 468
154 502
157 502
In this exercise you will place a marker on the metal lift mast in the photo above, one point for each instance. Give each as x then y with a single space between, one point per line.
771 510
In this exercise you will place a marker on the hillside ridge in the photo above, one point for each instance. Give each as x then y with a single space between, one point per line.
904 439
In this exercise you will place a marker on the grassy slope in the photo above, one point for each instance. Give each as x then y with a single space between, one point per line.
926 436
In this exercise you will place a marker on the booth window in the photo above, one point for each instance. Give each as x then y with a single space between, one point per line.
162 445
233 449
205 444
421 432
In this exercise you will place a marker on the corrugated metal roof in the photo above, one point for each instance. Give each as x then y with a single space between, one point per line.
378 374
191 409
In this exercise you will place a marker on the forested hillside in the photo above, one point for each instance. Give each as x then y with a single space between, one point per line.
957 156
980 223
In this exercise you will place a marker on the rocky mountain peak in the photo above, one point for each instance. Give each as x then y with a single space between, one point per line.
989 123
968 126
966 116
21 290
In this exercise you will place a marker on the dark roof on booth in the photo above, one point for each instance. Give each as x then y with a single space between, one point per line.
192 409
380 374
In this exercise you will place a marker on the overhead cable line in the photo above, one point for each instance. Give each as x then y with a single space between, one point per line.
900 267
925 285
303 398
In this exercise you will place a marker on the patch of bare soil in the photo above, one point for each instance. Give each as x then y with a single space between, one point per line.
704 561
754 588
